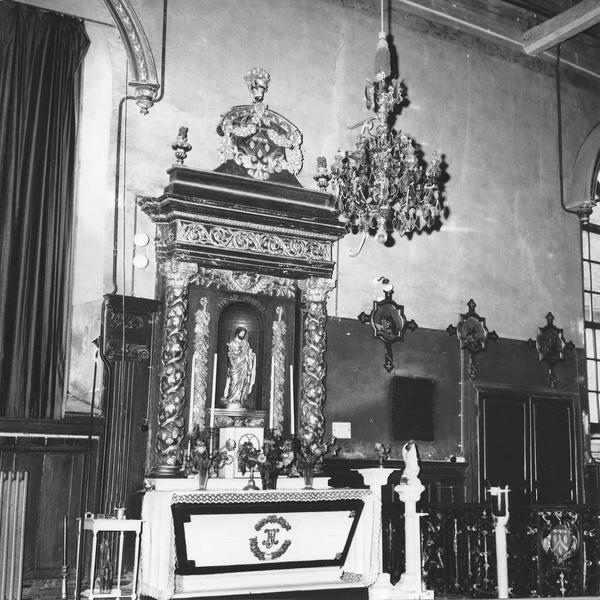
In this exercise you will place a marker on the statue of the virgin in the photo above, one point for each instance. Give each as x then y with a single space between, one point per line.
241 370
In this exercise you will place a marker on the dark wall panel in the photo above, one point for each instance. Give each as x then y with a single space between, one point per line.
359 389
57 469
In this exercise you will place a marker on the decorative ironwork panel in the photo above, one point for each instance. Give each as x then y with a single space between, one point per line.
458 550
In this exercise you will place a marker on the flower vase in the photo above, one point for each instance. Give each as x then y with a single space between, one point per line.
203 475
269 479
308 472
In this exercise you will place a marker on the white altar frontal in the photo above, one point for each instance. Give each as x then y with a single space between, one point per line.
222 542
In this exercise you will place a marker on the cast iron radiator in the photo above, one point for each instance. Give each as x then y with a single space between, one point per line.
13 500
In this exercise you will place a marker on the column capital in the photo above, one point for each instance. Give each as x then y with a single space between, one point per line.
177 273
316 289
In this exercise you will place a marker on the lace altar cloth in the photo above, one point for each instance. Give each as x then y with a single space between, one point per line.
157 564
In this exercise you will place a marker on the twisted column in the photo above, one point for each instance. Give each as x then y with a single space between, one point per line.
314 299
278 371
173 366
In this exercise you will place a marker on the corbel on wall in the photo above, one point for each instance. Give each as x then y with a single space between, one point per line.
144 77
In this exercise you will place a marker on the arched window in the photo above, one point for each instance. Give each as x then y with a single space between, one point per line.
590 233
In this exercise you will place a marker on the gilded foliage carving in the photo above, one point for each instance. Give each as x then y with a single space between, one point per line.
247 283
256 241
312 425
200 364
278 357
173 365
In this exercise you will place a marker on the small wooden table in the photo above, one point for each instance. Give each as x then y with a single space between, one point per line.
106 526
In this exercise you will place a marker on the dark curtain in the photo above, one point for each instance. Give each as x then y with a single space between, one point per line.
40 58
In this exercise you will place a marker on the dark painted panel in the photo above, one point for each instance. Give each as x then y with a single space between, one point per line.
504 440
514 363
359 388
553 460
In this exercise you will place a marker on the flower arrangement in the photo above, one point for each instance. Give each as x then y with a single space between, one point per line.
275 455
200 458
383 452
247 456
311 453
314 452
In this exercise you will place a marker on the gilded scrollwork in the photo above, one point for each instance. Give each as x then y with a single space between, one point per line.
312 423
200 364
173 366
260 140
278 357
256 241
246 283
129 352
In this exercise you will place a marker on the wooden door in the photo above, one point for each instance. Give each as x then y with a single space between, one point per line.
504 443
528 443
553 452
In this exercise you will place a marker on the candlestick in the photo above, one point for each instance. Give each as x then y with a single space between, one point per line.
65 540
292 414
214 392
191 417
271 411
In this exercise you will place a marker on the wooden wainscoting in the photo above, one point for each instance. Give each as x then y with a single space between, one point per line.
63 462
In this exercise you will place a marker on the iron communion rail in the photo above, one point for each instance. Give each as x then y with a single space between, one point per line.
553 550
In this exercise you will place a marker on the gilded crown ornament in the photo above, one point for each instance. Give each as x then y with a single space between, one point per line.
258 139
382 186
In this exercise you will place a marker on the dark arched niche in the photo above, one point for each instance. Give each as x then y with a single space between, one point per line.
233 317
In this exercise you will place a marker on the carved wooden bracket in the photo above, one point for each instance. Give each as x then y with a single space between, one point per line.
550 345
473 334
141 60
389 323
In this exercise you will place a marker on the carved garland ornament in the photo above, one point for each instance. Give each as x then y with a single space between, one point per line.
262 243
278 357
315 293
173 366
246 283
200 364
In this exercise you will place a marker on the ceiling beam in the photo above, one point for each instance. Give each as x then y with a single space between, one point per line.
506 24
563 26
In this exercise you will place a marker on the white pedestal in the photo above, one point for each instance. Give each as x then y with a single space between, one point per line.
375 477
410 585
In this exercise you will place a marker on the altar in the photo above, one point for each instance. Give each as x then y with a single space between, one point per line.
245 255
220 542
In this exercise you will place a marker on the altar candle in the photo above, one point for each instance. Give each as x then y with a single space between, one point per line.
191 417
214 393
65 540
271 408
292 415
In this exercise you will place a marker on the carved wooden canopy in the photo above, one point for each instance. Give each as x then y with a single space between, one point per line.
230 222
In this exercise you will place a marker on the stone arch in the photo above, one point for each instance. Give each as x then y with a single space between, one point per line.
139 53
582 186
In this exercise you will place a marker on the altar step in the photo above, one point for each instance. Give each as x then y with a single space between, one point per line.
329 594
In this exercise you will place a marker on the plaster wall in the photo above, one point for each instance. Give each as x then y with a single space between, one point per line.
505 241
489 110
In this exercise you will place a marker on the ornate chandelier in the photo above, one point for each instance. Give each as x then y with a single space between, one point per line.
382 186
